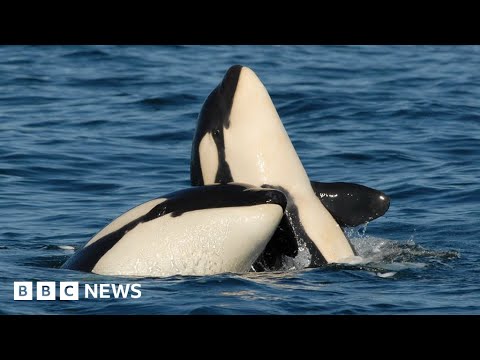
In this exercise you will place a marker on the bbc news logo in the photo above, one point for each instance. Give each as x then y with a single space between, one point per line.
72 290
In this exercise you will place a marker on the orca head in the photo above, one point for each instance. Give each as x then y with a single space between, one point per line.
351 204
238 131
249 215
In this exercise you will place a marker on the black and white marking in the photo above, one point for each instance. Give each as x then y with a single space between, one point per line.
196 231
240 137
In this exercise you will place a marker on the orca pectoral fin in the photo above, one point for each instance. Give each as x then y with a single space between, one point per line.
351 204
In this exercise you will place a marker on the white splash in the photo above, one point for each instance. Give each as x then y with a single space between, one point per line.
66 247
386 275
301 261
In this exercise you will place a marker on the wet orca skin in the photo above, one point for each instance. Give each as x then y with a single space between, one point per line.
240 137
196 231
214 117
351 204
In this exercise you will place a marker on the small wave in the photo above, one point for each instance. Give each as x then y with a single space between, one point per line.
74 185
354 156
17 61
28 100
90 124
164 136
28 80
47 261
59 247
104 82
89 54
158 103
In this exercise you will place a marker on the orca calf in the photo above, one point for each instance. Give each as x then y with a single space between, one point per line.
240 137
197 231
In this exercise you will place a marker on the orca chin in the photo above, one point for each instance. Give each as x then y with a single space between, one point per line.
240 137
197 231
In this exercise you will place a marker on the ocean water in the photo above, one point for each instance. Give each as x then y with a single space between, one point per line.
87 132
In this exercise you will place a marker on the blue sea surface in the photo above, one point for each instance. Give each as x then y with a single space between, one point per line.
88 132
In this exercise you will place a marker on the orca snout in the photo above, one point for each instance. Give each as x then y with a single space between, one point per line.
381 203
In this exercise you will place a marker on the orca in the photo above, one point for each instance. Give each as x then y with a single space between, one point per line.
351 204
240 137
196 231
